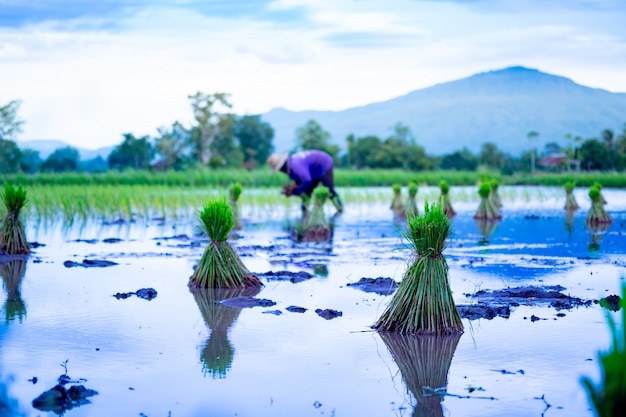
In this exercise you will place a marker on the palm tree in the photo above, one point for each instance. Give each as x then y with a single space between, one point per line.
532 136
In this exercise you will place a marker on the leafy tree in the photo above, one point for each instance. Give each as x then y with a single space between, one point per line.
362 151
255 139
97 164
10 125
620 150
225 151
131 153
491 156
462 160
551 148
608 137
171 146
61 160
10 156
212 115
594 155
312 136
30 161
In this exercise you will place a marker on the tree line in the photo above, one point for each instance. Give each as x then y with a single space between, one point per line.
220 139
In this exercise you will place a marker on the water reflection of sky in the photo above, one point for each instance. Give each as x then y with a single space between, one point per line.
147 356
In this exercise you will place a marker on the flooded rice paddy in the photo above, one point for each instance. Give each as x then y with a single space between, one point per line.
174 352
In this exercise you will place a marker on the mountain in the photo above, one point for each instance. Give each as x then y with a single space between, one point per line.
46 147
497 106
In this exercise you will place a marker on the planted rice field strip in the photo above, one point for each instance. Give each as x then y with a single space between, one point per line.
76 204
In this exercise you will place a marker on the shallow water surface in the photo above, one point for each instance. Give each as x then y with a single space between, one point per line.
183 353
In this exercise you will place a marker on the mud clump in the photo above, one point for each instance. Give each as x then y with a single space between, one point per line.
483 311
294 277
246 302
380 285
328 314
90 263
145 293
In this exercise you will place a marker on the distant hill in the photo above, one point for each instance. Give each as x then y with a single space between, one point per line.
497 106
46 147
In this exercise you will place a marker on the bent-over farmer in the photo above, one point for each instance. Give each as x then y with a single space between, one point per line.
307 169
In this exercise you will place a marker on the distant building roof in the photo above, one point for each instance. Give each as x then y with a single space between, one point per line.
553 160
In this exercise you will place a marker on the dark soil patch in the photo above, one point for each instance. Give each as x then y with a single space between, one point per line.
328 314
90 263
145 293
296 309
498 303
245 302
290 276
380 285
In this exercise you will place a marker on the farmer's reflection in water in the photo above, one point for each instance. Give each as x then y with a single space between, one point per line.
424 363
12 274
486 227
217 354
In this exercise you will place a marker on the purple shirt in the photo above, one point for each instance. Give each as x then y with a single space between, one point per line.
306 167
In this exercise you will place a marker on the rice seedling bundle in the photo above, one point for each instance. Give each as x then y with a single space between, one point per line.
494 196
445 198
609 396
218 352
411 203
424 363
597 214
315 227
397 204
423 302
12 274
234 192
570 200
12 234
599 187
486 209
220 266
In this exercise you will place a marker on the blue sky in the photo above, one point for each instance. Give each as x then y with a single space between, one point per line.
87 72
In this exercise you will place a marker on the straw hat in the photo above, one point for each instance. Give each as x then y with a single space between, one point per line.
276 161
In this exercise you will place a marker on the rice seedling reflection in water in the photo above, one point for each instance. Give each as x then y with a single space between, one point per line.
12 274
218 352
424 363
486 228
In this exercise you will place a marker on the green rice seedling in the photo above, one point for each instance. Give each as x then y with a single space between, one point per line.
423 302
445 198
494 196
597 214
486 209
12 233
411 203
234 192
12 274
220 266
570 200
424 364
315 226
397 204
597 185
608 397
218 352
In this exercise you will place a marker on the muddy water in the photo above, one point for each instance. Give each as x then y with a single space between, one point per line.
184 354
